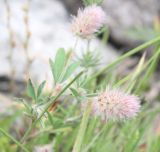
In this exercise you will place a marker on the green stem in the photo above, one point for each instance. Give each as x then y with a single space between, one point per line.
82 129
131 52
64 89
48 105
14 140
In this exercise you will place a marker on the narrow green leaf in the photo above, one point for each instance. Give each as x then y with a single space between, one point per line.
59 64
136 73
151 67
74 92
31 90
40 89
71 68
51 63
50 119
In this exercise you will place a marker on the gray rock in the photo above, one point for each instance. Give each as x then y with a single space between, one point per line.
123 15
5 105
72 5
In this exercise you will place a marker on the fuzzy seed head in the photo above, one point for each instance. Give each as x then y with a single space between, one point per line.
115 105
88 21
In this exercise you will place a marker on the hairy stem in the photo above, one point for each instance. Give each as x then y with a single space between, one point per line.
47 107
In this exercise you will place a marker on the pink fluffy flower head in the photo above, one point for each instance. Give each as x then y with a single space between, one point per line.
88 21
115 105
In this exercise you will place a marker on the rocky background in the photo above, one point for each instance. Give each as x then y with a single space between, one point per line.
130 22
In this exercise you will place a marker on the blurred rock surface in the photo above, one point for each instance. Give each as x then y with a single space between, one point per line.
126 14
72 5
5 105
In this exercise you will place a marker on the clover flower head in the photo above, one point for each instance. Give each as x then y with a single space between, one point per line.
88 21
115 105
